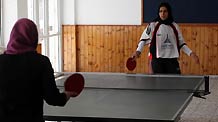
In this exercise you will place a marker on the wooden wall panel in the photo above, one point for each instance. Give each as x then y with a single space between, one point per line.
39 48
69 48
105 48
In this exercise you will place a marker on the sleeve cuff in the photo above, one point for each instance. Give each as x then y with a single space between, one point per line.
186 50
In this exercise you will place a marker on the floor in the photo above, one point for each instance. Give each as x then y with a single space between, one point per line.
203 110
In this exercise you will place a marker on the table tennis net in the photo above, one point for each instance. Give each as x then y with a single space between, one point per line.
117 81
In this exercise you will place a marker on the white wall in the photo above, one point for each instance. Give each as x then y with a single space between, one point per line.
78 12
68 12
102 12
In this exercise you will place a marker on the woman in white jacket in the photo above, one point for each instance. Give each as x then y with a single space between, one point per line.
165 40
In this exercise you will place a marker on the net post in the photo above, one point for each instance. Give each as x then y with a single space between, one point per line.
206 85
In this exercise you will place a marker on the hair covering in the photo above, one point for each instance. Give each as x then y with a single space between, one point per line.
170 19
23 37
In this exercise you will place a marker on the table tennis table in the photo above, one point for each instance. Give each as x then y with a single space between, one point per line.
121 97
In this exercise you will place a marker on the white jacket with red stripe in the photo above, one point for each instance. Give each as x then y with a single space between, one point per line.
166 42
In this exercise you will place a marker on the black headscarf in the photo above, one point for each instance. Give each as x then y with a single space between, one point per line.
170 19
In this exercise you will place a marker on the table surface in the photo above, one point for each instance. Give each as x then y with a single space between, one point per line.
127 97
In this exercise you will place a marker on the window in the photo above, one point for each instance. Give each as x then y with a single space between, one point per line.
1 43
2 47
46 15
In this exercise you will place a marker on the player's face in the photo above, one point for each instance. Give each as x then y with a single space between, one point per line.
163 13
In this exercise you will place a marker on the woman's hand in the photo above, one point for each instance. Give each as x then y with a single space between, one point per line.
70 94
195 57
136 55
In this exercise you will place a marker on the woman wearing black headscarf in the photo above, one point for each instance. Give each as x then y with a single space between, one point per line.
26 77
165 41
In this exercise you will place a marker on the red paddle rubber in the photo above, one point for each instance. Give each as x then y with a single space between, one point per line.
74 83
130 64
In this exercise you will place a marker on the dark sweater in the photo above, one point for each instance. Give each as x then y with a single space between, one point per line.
25 81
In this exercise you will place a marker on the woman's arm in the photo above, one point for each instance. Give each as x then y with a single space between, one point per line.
144 40
184 47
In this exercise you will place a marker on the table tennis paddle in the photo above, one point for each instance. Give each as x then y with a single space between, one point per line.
130 64
74 83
